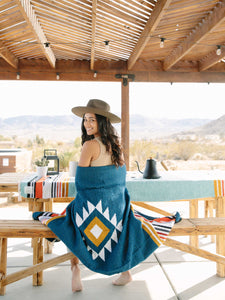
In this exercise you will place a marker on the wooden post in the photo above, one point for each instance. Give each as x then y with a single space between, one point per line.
125 128
220 238
193 208
3 263
37 258
48 206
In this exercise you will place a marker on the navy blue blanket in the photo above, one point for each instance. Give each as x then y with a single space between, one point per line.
102 228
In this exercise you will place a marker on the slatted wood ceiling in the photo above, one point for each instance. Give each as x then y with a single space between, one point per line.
47 35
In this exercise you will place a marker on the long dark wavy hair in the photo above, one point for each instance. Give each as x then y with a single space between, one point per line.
108 137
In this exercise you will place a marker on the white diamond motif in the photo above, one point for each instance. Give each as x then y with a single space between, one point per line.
96 231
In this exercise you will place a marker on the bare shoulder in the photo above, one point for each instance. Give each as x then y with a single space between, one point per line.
91 145
90 150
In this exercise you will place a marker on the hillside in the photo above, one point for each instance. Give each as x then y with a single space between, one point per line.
210 128
67 127
214 127
144 127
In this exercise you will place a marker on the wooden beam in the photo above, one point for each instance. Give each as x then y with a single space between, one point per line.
211 60
76 70
125 123
34 25
94 12
8 56
173 77
220 238
208 24
195 251
149 29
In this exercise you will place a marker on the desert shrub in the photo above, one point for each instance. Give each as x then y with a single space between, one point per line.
183 150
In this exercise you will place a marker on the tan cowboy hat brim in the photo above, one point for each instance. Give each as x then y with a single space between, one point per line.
98 107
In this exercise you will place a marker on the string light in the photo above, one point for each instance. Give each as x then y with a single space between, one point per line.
47 44
18 75
106 45
218 50
57 76
162 42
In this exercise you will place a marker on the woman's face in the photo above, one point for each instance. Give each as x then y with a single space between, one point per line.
91 124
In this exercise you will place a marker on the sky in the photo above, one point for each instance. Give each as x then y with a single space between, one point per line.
155 100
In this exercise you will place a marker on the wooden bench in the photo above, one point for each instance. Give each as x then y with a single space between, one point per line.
37 231
26 229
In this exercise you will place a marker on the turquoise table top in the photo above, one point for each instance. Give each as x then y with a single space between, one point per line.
176 185
172 185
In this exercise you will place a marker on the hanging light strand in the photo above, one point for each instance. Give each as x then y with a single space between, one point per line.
106 42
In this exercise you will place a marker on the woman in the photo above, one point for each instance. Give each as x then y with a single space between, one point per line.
100 226
101 147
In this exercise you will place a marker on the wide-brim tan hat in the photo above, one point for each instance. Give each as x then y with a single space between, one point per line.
98 107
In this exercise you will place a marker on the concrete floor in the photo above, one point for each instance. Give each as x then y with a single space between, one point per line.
166 275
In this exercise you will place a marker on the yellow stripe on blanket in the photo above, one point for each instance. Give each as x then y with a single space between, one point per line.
151 232
54 218
219 188
65 187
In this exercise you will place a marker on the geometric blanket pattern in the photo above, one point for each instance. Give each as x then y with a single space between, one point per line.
99 229
102 228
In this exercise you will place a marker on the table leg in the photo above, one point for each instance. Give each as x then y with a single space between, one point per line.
211 204
48 206
193 211
37 258
3 263
220 238
38 205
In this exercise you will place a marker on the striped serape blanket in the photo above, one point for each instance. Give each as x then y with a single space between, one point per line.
219 188
54 186
102 228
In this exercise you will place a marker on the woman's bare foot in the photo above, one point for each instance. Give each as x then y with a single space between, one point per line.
124 278
76 280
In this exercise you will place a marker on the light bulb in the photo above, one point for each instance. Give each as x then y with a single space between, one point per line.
218 51
18 75
162 42
106 45
57 76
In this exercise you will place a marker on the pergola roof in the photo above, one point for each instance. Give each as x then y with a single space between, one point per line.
68 39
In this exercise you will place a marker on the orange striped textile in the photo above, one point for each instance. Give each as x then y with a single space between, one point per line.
219 188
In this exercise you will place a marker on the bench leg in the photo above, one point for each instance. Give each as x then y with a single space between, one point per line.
211 208
48 206
3 263
220 238
193 212
37 258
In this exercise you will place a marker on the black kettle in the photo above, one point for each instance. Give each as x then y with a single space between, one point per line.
150 171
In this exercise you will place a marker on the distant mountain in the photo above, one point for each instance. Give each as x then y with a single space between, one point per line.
67 127
144 127
35 121
213 127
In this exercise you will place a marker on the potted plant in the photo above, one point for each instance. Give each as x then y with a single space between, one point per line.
42 166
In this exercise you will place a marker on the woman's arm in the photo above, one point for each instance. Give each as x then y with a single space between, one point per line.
90 151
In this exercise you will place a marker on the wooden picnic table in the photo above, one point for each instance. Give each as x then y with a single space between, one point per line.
206 186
